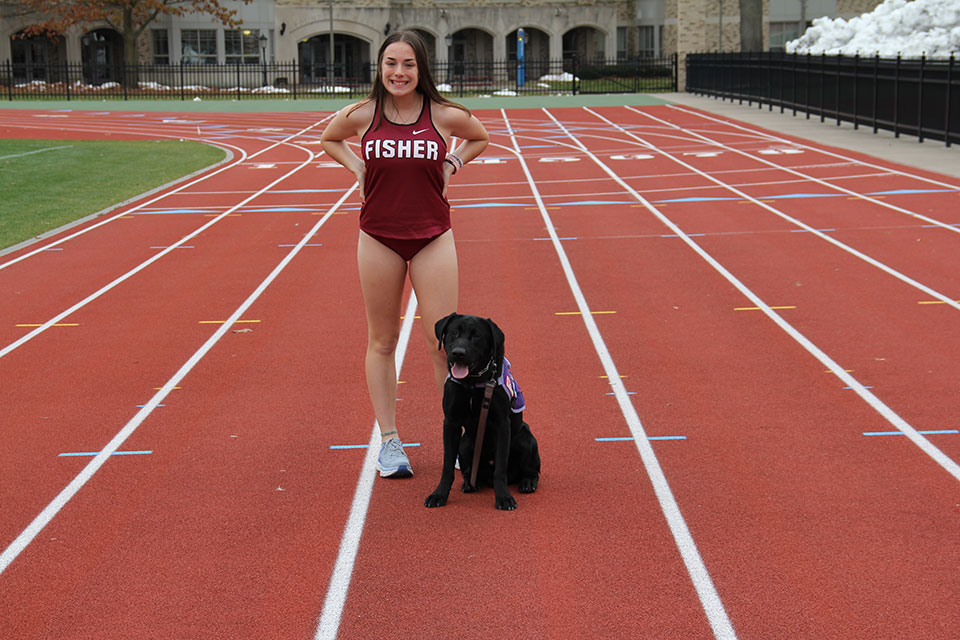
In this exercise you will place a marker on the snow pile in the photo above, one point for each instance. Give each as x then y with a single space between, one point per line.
905 27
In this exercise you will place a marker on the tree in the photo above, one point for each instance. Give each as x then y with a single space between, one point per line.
128 17
751 25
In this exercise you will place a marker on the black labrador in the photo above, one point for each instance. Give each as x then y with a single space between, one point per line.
509 453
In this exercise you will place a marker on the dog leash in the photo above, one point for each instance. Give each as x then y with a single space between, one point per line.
481 427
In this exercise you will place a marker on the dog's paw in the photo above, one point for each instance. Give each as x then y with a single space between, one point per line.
506 503
466 487
527 485
435 500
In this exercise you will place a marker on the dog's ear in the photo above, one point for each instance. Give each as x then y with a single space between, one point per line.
441 328
498 339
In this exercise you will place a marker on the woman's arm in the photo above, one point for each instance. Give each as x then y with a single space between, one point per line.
454 122
348 123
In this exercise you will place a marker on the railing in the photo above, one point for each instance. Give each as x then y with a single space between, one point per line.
295 80
919 97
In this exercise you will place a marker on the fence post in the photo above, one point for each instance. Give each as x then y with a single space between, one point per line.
923 61
856 80
66 69
836 104
946 120
896 99
676 72
183 95
876 87
806 85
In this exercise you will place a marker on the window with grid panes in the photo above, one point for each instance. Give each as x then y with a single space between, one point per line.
160 46
242 46
198 46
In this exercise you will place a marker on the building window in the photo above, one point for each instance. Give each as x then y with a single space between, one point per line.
198 46
783 32
621 43
646 46
242 47
159 46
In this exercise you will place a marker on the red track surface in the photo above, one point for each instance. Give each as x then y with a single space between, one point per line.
231 527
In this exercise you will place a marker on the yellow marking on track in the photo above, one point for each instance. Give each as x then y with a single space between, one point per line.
174 389
847 370
577 313
608 376
758 308
934 302
414 317
58 324
223 321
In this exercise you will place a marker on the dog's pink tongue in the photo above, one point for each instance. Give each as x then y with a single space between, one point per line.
459 371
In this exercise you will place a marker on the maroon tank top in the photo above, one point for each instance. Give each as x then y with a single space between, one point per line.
404 180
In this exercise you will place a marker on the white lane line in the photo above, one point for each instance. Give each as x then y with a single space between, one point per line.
886 412
817 232
350 541
30 153
707 593
805 176
227 164
50 511
826 152
143 265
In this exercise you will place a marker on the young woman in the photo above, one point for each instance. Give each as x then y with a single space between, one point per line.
405 163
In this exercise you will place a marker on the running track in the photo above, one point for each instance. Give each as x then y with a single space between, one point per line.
738 352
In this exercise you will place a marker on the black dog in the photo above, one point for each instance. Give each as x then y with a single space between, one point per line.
509 452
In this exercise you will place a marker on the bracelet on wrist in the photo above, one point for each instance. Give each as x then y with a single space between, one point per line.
456 159
452 164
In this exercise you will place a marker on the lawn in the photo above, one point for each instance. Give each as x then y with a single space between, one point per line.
45 184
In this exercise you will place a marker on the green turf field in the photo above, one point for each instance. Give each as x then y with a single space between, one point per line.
45 184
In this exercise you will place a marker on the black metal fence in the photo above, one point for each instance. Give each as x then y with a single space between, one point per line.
293 80
918 97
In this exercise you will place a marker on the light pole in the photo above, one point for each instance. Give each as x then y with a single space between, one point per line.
263 57
330 61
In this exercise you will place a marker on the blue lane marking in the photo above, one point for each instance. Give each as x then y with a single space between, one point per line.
293 245
53 249
689 235
281 209
94 453
141 406
631 439
591 202
907 191
629 393
165 212
491 204
851 388
806 231
364 446
700 199
901 433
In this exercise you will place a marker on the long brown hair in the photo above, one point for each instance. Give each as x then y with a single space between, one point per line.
425 84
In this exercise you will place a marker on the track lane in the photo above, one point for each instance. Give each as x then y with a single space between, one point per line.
737 349
585 559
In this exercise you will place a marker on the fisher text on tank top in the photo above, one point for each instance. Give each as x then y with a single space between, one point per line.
404 178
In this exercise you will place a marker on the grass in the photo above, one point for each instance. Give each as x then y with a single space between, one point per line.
45 184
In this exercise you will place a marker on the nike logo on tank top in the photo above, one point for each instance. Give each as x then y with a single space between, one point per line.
404 179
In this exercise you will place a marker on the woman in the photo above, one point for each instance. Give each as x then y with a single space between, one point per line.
405 127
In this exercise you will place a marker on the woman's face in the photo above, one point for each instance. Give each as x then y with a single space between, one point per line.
398 71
